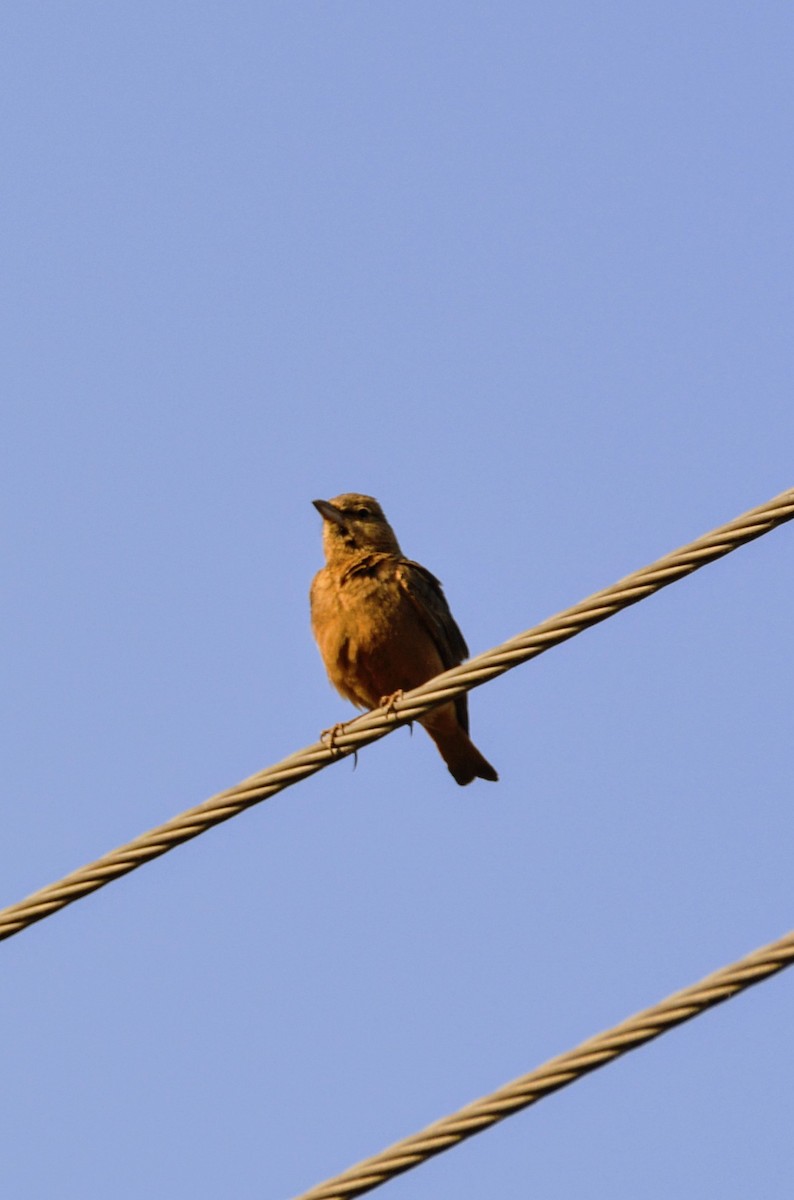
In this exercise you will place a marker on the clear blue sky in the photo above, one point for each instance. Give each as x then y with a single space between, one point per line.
523 272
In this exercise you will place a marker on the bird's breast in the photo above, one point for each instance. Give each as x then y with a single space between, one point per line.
360 611
369 634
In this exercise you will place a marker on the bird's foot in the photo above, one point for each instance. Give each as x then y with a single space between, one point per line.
329 736
389 702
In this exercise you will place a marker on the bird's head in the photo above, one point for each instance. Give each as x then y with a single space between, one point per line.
353 523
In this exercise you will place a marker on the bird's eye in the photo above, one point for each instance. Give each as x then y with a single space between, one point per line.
363 513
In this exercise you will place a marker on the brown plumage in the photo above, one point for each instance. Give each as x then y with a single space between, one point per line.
383 625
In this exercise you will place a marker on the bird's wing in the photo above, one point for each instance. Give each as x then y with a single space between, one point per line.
430 603
427 597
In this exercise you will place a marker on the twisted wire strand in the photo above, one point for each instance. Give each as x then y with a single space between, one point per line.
376 724
557 1073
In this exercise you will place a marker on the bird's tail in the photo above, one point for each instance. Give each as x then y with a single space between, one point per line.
457 749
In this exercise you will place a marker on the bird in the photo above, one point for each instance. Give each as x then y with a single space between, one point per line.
383 625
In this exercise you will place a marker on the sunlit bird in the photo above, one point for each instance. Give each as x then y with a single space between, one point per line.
383 625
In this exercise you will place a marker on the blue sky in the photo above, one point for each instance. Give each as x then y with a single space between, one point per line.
523 272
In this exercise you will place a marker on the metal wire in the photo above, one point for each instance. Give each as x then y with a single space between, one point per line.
557 1073
379 722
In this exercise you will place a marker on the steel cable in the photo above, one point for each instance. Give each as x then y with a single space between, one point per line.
557 1073
414 704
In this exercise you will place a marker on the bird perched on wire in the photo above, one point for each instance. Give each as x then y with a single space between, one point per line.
383 625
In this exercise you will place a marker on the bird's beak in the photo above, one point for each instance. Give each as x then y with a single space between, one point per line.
329 512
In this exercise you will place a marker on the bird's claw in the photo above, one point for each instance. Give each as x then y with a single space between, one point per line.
389 702
329 736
